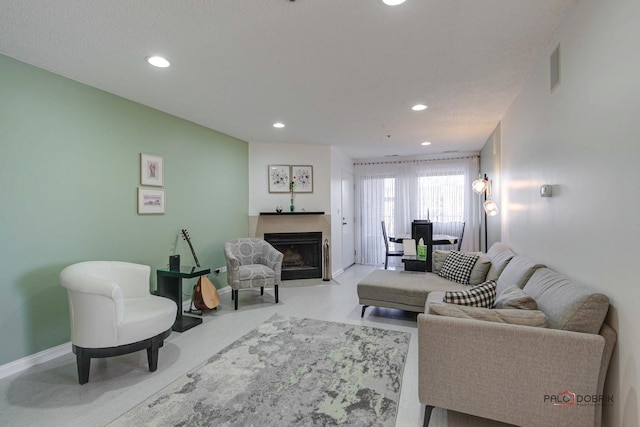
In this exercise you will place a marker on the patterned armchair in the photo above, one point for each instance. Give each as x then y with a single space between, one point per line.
252 263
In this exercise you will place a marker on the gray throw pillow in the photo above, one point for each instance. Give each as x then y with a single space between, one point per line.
534 318
514 297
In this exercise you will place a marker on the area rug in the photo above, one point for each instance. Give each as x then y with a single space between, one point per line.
288 372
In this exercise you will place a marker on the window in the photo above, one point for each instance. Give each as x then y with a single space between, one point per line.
400 192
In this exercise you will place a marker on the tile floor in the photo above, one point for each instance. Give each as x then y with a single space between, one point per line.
49 394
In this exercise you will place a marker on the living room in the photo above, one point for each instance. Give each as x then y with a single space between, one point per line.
70 174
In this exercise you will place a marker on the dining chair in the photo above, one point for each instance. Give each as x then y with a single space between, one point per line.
388 252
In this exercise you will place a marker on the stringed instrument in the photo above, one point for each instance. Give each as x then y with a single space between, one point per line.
205 295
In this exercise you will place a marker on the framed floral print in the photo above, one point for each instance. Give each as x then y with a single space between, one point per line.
302 178
278 178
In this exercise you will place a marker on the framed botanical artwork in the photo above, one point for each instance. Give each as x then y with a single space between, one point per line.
278 178
302 177
150 201
151 170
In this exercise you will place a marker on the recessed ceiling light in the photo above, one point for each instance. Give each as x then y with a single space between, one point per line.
393 2
425 143
158 61
419 107
278 125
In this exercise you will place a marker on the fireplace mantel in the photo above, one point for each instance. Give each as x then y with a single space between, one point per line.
292 213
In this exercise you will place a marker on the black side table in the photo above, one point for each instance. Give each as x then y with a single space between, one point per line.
170 286
414 263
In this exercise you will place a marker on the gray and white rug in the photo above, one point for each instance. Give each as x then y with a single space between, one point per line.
288 372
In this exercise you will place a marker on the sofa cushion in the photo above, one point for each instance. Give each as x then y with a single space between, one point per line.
512 316
401 287
479 271
514 297
499 255
482 295
568 305
516 273
457 267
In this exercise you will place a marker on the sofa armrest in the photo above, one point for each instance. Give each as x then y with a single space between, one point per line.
509 373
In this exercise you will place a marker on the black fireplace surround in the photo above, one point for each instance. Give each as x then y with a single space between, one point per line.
302 254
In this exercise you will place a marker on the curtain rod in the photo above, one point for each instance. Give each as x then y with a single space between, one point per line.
387 162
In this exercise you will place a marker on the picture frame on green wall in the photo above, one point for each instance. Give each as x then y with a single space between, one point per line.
151 201
151 170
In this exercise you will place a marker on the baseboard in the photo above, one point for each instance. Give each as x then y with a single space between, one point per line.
20 365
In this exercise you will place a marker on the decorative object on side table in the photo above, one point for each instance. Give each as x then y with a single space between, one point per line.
278 176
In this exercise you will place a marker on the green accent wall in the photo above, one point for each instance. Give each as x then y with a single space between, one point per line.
69 174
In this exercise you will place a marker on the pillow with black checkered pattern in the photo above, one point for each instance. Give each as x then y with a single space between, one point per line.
482 295
457 267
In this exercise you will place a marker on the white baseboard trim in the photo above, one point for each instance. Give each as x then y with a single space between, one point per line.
20 365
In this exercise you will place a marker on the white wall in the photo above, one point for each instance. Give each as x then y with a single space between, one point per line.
263 155
584 139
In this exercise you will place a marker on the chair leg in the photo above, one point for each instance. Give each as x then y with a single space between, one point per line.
276 291
232 294
386 262
364 307
427 415
152 353
84 365
235 292
261 290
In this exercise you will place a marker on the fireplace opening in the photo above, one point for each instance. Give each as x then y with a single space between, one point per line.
302 254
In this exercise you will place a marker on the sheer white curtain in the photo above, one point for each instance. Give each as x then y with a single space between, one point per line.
399 192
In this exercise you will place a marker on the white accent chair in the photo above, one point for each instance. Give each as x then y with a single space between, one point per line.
113 313
252 263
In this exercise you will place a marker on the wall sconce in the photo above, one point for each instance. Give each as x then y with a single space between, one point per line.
546 191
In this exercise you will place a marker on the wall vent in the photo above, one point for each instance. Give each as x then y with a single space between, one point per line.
554 68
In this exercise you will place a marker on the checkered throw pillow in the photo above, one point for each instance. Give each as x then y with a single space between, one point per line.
482 295
457 267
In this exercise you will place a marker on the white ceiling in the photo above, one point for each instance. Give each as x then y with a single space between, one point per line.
339 72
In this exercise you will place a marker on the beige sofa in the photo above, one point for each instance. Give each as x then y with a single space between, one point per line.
504 369
522 375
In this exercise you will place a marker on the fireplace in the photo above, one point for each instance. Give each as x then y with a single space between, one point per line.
302 254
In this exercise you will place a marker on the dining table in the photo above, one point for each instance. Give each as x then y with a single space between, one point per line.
416 263
438 239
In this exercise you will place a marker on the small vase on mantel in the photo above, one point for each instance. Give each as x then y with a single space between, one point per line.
291 207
